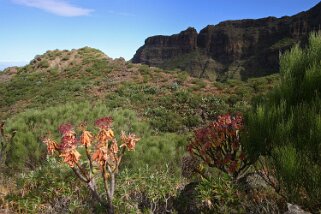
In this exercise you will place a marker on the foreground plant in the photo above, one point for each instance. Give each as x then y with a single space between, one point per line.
106 155
5 140
284 129
218 145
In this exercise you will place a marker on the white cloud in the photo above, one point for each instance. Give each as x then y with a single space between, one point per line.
58 7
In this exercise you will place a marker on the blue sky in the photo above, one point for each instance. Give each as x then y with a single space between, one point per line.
117 27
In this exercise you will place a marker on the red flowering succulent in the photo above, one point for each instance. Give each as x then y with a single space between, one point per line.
104 123
218 144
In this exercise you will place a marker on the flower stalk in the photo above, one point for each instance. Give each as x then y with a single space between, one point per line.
105 156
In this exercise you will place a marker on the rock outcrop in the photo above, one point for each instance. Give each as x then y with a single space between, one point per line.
158 49
245 48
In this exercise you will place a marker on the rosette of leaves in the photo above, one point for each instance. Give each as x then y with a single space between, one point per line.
218 145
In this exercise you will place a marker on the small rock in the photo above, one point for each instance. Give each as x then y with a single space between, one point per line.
253 181
186 202
295 209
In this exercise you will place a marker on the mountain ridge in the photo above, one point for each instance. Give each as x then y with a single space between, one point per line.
233 48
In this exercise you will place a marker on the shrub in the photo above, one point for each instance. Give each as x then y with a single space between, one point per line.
220 195
65 58
5 140
143 70
217 194
199 84
146 190
27 152
106 156
166 119
44 64
100 66
182 77
51 188
54 71
218 145
26 149
286 127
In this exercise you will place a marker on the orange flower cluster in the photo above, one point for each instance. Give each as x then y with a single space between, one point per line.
100 156
107 155
70 157
86 138
51 145
68 145
106 149
105 135
129 141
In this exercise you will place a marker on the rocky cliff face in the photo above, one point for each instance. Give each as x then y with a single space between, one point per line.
158 49
243 48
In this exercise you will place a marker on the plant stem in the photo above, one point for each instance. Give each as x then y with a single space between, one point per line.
83 171
81 177
90 161
110 206
92 187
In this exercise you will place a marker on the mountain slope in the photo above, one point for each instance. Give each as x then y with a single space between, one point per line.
241 48
88 75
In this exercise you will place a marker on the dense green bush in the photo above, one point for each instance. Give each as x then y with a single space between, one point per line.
220 194
184 110
146 190
44 64
27 149
49 189
286 128
164 119
52 188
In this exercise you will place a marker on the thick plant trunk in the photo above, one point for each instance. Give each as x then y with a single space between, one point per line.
109 188
92 187
110 194
110 207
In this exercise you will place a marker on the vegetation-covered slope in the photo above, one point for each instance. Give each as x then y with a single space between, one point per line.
87 74
161 106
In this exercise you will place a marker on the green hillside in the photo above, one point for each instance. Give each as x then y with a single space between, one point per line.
89 75
162 107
